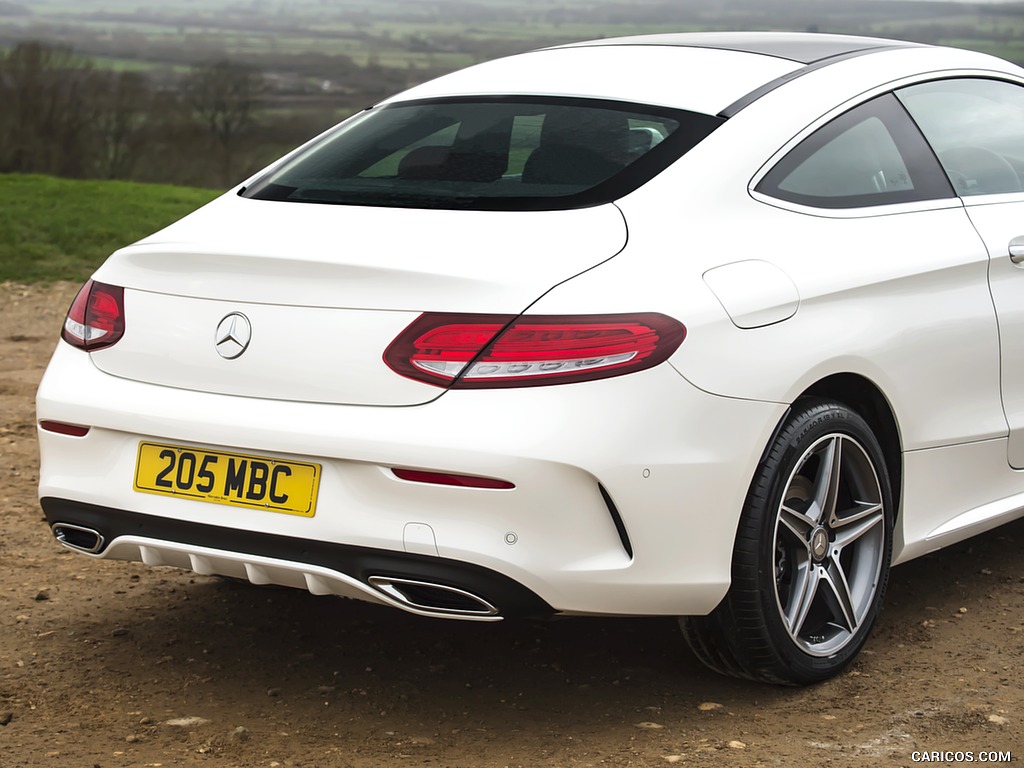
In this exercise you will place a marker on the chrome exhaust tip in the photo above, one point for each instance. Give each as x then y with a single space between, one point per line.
434 598
78 537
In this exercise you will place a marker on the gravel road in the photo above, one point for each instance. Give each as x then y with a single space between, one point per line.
113 664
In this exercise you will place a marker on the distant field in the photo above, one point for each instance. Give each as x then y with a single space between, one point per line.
321 60
1011 50
57 229
135 65
432 36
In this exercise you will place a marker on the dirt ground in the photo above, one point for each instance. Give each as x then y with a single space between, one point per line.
114 664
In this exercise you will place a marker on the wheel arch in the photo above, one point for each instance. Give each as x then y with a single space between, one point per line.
863 396
741 636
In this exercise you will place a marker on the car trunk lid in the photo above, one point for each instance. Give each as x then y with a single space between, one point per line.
315 293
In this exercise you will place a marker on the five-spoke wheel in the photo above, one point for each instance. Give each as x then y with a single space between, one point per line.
829 541
812 554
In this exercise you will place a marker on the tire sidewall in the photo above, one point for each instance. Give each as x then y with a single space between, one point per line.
802 430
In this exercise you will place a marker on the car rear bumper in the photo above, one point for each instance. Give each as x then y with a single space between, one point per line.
626 494
431 586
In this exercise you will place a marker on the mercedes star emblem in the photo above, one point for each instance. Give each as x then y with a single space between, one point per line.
233 336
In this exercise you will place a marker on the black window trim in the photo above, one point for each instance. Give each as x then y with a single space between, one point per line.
812 66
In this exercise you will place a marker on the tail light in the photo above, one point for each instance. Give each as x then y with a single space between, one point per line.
96 317
469 351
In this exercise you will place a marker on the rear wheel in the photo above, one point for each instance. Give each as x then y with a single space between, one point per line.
812 554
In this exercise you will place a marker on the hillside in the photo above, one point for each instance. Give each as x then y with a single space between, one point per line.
61 229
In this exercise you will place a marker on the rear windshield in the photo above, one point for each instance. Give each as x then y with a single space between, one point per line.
503 153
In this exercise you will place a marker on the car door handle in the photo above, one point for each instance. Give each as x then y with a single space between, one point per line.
1016 249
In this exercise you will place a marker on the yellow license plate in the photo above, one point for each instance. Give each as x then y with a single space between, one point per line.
234 479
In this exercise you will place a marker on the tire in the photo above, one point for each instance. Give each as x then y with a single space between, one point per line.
812 554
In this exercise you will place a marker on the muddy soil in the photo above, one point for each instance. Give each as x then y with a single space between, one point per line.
112 664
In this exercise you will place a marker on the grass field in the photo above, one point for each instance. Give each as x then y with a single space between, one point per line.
56 229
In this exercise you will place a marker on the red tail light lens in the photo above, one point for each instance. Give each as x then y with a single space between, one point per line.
478 351
96 317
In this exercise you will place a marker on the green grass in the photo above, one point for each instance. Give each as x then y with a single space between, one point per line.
59 229
108 63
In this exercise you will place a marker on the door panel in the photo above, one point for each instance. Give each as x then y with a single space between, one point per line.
976 128
999 224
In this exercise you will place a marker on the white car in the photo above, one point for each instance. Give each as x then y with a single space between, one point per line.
717 326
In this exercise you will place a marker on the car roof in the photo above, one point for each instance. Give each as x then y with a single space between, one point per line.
812 50
800 47
714 73
661 75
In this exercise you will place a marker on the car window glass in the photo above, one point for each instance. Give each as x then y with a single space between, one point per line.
496 153
975 127
524 140
871 155
862 160
388 166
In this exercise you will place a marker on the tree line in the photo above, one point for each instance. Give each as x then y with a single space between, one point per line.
63 116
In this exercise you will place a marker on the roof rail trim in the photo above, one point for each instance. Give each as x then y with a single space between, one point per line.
745 101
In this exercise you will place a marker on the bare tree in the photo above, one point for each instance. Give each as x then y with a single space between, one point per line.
222 95
123 101
47 110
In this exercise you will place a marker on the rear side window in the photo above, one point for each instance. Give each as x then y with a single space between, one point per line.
871 155
975 126
502 153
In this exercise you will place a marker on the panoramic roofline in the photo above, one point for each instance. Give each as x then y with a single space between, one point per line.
811 49
757 64
807 48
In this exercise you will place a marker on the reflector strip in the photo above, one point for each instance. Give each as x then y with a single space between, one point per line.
59 427
444 478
